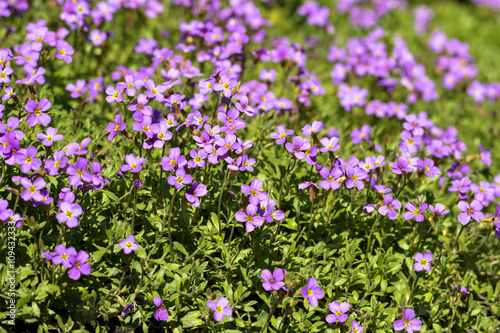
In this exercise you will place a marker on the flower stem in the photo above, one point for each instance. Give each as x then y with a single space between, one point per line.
170 224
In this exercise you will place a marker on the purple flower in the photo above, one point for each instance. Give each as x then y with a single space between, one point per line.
462 185
36 112
114 127
220 308
77 89
312 292
194 192
63 255
161 314
49 138
69 213
130 84
80 266
329 144
281 134
390 207
470 211
360 135
64 51
355 327
309 130
126 309
423 261
226 85
410 142
329 181
173 159
355 178
134 164
408 322
32 190
114 95
484 155
439 209
298 146
402 164
414 212
179 179
78 173
53 165
128 245
272 281
253 190
27 159
428 166
339 312
251 220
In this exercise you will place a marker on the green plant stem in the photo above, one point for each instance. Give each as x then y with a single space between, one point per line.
170 225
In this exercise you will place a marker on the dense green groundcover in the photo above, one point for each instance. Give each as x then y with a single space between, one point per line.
190 255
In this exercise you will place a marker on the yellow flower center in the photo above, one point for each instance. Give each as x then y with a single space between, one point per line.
116 94
38 112
28 159
253 192
179 180
145 128
32 189
329 178
470 211
49 138
129 245
354 177
62 52
423 262
407 322
282 135
79 172
416 212
154 91
249 218
226 85
172 162
130 85
64 256
133 165
197 159
219 308
309 292
69 214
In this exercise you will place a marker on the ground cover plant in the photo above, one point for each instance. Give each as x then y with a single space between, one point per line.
249 166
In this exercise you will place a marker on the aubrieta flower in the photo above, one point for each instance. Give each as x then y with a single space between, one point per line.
298 147
428 166
68 213
226 85
415 212
36 111
330 178
114 94
196 190
174 159
356 328
253 190
77 89
161 313
312 129
115 127
339 312
50 136
32 189
220 308
64 51
362 134
312 292
470 211
27 159
63 254
390 207
272 281
423 261
134 164
439 209
180 179
80 266
250 218
281 134
329 144
408 322
128 245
